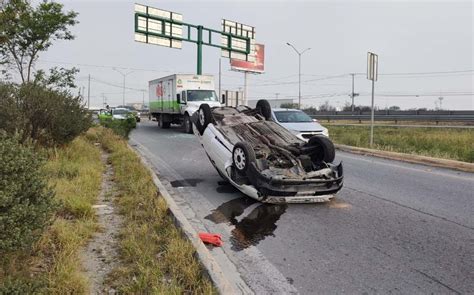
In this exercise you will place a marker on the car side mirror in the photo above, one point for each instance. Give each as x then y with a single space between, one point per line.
178 98
223 99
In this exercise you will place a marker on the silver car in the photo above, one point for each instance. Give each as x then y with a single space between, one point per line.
298 123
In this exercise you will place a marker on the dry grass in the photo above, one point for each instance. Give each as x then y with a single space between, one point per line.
447 143
156 257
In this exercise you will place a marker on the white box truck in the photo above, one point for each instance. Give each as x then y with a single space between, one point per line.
175 98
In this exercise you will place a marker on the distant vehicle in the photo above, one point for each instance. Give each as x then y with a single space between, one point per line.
298 123
121 114
135 113
264 160
175 98
104 115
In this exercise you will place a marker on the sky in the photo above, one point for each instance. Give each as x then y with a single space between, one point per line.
425 50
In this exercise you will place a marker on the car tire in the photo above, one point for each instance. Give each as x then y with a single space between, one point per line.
243 156
325 149
188 125
263 108
204 117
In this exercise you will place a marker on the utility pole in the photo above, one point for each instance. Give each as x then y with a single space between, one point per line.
299 71
143 99
245 98
89 93
123 90
220 80
276 95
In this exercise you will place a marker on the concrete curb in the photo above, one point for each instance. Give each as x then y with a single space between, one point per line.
444 163
214 271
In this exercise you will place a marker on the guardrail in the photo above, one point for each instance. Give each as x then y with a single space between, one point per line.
395 116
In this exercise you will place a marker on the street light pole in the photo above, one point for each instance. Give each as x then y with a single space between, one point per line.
123 90
299 71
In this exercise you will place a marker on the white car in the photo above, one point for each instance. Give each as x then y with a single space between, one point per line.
120 114
264 160
298 123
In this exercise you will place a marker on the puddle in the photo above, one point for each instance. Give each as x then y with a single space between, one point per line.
185 182
226 188
229 211
252 228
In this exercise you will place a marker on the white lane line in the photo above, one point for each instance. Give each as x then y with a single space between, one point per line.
375 160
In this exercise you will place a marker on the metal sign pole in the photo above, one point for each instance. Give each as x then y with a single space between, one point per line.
199 50
245 98
372 117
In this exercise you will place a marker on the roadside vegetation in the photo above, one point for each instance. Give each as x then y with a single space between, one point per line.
447 143
48 262
156 258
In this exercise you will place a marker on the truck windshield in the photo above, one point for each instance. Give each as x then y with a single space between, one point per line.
292 117
201 95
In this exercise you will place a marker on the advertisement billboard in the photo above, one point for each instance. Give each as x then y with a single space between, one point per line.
256 66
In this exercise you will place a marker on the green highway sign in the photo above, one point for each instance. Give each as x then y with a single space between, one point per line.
166 28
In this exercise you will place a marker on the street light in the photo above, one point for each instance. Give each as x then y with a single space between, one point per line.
299 71
124 75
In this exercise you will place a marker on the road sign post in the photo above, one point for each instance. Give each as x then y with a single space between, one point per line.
372 73
166 28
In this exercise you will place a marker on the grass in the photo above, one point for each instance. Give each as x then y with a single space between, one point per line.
447 143
156 258
52 266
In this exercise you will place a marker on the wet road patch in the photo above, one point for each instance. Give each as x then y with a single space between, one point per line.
185 182
252 228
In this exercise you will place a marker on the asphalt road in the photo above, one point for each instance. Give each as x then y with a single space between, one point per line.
394 227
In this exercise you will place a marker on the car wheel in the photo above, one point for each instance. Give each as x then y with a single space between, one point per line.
325 151
243 156
263 108
204 117
188 125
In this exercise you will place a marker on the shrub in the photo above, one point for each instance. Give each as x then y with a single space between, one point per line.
48 116
120 127
26 202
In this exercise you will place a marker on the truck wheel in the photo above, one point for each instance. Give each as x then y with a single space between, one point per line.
263 108
163 124
188 125
243 156
204 117
325 151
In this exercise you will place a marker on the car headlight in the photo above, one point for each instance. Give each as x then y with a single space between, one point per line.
325 132
138 114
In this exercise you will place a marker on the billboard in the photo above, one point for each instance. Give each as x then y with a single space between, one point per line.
236 29
155 26
257 66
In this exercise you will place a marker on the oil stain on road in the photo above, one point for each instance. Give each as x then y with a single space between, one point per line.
185 182
252 228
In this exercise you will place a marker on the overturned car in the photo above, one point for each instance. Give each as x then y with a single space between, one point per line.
263 159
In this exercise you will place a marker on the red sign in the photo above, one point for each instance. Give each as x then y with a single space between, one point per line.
247 66
159 90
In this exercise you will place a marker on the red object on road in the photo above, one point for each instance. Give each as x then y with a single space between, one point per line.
214 239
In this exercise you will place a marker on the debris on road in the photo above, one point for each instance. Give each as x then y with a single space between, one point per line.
210 238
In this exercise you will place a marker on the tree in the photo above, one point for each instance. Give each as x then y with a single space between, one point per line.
326 107
26 31
394 108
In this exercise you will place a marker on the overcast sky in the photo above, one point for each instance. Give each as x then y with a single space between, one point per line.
432 39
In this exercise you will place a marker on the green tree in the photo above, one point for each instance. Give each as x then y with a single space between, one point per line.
26 31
